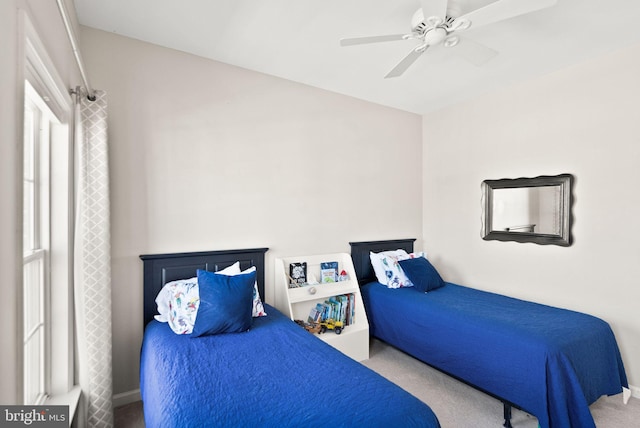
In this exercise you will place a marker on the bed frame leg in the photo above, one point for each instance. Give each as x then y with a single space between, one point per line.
507 416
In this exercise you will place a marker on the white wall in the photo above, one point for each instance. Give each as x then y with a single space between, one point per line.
207 156
49 26
582 120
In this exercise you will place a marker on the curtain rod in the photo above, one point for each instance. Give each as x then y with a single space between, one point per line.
76 52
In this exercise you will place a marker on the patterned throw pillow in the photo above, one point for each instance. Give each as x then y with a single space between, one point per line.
182 301
388 270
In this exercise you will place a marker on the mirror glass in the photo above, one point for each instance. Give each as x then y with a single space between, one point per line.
528 209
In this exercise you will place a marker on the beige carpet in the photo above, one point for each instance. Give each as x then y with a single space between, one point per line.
456 404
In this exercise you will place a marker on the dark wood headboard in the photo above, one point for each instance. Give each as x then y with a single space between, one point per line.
362 262
162 268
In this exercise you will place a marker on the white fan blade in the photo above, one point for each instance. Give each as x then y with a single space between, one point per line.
434 8
503 9
406 62
474 52
371 39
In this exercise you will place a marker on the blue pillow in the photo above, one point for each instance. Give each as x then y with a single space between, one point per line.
422 273
225 303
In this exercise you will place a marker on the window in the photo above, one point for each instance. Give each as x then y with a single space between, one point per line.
47 299
36 220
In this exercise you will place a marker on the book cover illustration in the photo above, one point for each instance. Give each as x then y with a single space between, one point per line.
328 272
297 274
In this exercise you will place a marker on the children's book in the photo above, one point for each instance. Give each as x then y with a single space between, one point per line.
297 274
315 314
328 272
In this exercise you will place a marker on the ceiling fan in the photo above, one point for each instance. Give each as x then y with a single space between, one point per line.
438 22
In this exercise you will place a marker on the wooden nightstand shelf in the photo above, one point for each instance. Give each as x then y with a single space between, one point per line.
354 339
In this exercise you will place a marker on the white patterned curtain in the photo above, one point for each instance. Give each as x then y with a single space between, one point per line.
92 264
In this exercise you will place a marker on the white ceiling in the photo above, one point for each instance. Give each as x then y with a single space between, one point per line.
299 40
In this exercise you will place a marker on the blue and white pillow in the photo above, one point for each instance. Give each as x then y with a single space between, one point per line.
388 270
179 300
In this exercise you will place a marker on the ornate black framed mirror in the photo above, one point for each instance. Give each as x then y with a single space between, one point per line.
534 210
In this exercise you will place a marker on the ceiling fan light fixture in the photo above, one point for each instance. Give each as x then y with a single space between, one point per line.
434 36
436 21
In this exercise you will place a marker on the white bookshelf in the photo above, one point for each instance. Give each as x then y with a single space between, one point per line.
354 339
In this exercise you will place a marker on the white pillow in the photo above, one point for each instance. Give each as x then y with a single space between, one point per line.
234 269
388 270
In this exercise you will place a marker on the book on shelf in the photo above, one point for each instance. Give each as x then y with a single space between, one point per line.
297 274
338 308
315 315
329 272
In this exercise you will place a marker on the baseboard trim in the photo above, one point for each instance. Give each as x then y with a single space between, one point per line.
126 398
635 391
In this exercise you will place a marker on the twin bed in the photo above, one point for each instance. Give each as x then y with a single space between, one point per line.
550 362
274 374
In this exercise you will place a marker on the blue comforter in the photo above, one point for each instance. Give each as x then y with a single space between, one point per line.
551 362
276 374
